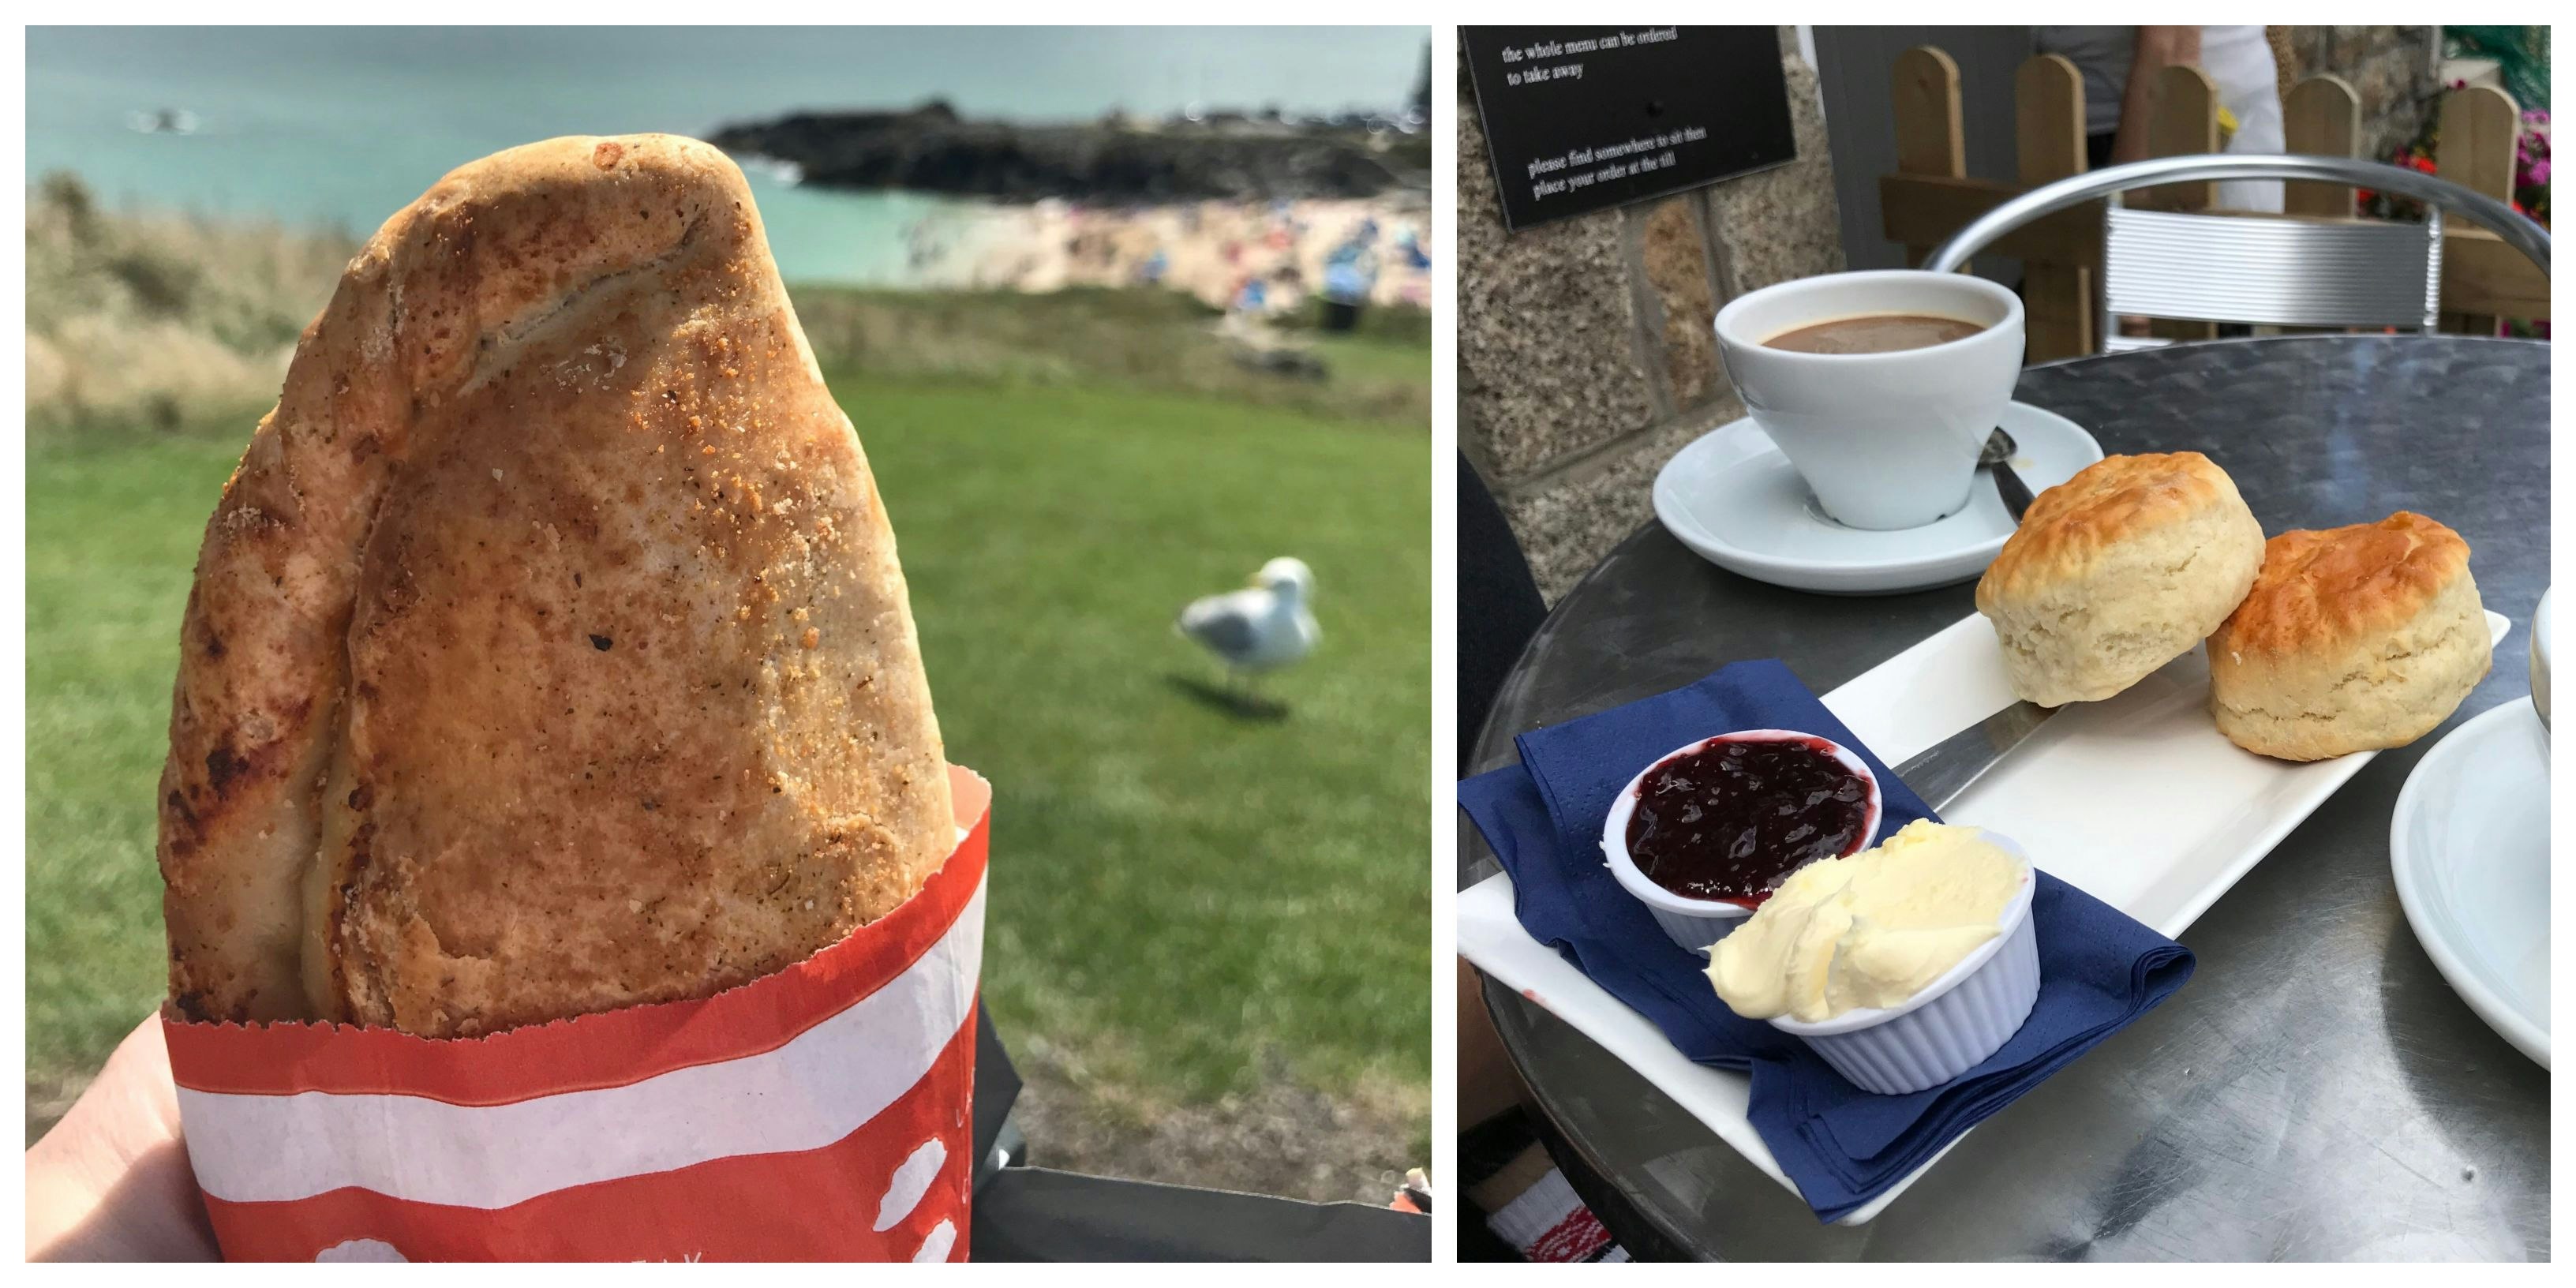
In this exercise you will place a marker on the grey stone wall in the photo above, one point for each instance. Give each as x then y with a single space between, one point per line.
2396 72
1586 356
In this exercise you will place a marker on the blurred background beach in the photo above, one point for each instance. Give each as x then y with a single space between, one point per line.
1209 947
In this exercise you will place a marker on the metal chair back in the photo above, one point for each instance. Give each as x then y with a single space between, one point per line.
2259 269
2276 272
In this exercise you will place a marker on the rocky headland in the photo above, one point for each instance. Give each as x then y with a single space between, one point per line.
1114 160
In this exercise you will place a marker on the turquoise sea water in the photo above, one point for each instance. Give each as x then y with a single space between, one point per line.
345 125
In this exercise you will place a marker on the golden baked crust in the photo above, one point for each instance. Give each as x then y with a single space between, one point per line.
548 651
2071 526
2320 586
2352 639
2116 572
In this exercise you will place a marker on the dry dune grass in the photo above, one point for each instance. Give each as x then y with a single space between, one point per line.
152 319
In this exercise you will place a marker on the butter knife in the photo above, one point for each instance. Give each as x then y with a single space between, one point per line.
1940 772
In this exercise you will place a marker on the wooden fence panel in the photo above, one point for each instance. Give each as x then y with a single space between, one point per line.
2483 275
1922 210
2182 121
2476 152
2048 127
1929 137
2320 118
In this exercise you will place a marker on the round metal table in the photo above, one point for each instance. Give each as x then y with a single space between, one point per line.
2317 1091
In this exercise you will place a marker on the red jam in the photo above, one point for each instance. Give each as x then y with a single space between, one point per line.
1731 820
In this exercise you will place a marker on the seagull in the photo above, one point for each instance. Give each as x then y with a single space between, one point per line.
1260 629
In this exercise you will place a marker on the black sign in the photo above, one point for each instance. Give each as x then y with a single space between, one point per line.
1586 118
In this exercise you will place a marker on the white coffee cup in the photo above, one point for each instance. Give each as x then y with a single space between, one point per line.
1887 440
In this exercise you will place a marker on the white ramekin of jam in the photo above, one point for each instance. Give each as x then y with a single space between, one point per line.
1707 832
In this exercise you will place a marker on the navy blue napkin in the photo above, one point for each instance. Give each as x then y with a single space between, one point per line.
2099 969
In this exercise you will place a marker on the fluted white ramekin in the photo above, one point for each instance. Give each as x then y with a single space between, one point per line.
1696 923
1950 1027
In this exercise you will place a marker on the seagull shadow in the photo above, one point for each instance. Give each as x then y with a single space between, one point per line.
1233 702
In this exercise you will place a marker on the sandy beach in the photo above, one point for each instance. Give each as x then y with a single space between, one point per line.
1210 249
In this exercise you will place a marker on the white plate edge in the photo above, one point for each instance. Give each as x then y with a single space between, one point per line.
2508 1023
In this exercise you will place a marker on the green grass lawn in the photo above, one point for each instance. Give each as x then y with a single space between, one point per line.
111 545
1180 895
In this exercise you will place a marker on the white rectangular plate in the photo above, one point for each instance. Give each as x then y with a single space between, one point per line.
2199 813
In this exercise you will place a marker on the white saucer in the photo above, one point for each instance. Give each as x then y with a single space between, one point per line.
1732 497
2469 846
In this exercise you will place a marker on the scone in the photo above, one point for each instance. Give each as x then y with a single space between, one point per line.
2116 572
2353 639
548 651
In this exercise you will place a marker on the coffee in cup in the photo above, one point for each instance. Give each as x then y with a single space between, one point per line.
1880 387
1873 333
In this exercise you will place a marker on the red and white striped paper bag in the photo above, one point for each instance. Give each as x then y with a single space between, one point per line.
821 1113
